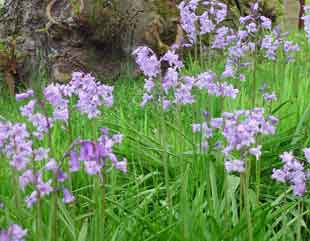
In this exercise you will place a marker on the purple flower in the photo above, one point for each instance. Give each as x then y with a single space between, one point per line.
235 166
25 95
183 95
243 20
68 197
74 163
40 123
41 154
20 162
256 151
252 28
242 77
55 97
307 154
28 109
289 46
61 175
122 165
166 104
173 59
147 61
26 178
204 80
279 175
287 157
146 99
206 24
51 165
216 122
306 19
91 95
117 138
227 90
149 85
214 13
292 172
87 150
44 188
95 154
188 19
196 127
266 22
240 130
272 43
32 199
228 72
92 167
170 80
270 96
14 233
223 38
299 189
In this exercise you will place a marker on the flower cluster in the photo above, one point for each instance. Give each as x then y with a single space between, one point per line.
224 37
293 172
39 121
207 81
306 19
172 84
25 95
267 95
40 173
16 145
151 65
276 41
91 96
94 154
215 12
240 130
13 233
239 44
245 41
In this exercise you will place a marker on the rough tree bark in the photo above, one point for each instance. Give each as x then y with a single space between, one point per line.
301 13
291 13
91 35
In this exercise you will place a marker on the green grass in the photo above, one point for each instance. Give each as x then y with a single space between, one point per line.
204 200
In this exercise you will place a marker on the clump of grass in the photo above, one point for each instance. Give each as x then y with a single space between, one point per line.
174 191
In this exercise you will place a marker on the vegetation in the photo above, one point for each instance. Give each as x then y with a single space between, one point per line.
173 189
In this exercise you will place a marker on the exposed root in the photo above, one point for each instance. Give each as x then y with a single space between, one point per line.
82 6
49 8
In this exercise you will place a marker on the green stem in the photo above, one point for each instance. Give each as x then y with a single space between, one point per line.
164 144
165 157
299 224
242 181
17 196
254 79
103 203
258 179
247 200
53 219
39 221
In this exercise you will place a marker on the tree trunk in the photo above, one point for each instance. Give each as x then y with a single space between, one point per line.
96 36
301 14
291 14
